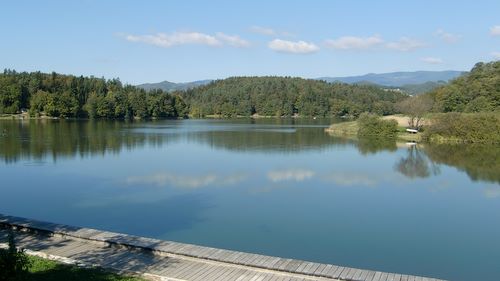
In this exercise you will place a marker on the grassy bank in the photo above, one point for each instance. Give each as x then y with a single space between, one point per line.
350 129
42 269
480 128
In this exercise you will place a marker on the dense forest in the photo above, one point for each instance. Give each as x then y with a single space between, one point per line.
478 90
58 95
285 96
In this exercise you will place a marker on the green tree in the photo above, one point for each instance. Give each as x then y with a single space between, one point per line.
14 263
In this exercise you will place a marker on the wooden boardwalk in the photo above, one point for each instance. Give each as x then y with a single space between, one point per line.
165 260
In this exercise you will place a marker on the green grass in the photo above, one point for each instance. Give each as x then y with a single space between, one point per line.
346 129
350 130
43 269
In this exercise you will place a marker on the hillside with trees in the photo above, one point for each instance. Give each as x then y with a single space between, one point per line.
58 95
476 91
67 96
285 96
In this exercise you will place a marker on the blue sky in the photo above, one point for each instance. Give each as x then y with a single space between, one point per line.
152 41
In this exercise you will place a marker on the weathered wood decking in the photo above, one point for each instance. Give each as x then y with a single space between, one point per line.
165 260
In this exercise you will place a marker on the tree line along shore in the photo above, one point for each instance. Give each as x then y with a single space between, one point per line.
465 109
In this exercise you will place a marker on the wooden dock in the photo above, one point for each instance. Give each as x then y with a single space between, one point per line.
165 260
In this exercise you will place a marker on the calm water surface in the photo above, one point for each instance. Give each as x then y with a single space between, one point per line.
275 187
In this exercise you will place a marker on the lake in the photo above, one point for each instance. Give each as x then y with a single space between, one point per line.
270 186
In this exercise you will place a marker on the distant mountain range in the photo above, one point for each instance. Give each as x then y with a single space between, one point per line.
415 82
398 79
171 86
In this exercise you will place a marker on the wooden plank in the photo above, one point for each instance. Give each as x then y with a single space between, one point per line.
326 269
307 267
161 263
257 276
217 254
313 268
353 272
369 275
271 263
318 271
230 257
236 274
284 264
204 275
183 270
243 276
196 271
339 271
279 263
171 267
263 261
215 274
383 276
233 257
75 247
331 271
277 277
231 272
292 266
301 267
204 272
345 272
363 276
397 277
255 260
268 277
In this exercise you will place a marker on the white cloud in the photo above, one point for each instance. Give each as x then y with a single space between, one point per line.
176 38
352 179
405 44
432 60
295 47
354 43
447 37
495 30
165 178
290 175
496 55
263 30
269 31
232 40
492 192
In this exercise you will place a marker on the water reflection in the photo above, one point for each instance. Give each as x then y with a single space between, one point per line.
416 164
37 141
480 162
373 145
290 175
185 181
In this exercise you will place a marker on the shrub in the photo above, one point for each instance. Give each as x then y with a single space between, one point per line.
373 126
463 127
14 263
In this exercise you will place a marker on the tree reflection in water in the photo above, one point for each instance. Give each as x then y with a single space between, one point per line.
416 164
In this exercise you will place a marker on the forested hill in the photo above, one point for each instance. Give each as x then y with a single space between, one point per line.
58 95
478 90
285 96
